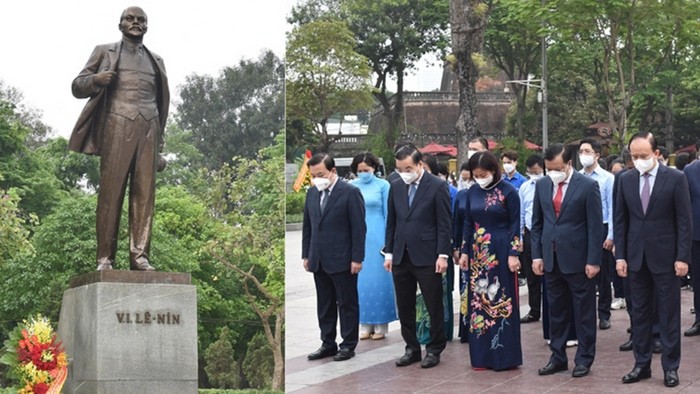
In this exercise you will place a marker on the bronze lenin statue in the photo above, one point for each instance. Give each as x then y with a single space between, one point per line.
123 123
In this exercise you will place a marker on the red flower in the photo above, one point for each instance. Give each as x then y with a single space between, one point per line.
41 388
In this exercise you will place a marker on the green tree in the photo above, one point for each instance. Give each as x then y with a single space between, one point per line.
222 368
325 76
252 244
258 364
236 113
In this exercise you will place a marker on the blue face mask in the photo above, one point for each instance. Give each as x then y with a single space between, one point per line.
365 177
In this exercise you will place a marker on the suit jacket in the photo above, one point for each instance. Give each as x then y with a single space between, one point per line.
577 234
335 238
664 233
692 172
87 133
425 228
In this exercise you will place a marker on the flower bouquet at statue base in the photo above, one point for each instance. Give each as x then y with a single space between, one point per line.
36 358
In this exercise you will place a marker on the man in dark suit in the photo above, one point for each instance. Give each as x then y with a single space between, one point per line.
692 173
123 122
653 237
567 232
333 248
417 245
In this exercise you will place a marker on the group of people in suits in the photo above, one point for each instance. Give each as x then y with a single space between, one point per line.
570 226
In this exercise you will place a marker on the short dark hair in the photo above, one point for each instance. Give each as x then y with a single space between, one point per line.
595 145
682 160
432 163
616 161
324 158
534 159
487 162
510 154
644 135
408 149
626 155
367 158
464 166
442 169
554 150
483 141
664 152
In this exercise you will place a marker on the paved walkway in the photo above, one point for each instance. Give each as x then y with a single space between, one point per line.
373 369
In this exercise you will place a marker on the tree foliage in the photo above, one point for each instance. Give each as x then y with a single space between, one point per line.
222 368
236 113
325 76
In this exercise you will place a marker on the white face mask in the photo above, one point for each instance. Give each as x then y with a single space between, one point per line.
483 182
321 183
644 165
470 153
509 167
586 160
408 177
535 177
557 176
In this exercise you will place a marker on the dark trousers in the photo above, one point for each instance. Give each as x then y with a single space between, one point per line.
695 278
604 278
128 157
337 293
406 276
647 288
562 290
534 282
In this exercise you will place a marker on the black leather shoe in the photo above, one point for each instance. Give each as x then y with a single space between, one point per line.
552 368
604 324
529 319
580 371
408 358
693 331
671 378
430 360
627 346
322 352
637 374
657 349
344 354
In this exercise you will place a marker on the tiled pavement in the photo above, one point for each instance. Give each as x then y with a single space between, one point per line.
373 369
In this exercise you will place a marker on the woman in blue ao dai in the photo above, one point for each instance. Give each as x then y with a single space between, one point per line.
375 285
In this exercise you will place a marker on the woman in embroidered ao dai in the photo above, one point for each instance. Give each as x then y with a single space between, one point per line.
490 253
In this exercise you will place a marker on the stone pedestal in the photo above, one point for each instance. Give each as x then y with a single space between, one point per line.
130 332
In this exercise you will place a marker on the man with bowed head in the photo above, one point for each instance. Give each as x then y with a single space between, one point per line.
653 240
567 234
123 122
417 245
333 248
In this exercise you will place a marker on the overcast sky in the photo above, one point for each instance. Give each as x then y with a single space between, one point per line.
45 44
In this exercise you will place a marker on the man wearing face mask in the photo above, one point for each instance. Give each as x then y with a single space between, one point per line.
653 238
589 153
567 232
417 245
535 171
333 248
477 144
510 173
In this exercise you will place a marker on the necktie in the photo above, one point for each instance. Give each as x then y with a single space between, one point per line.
646 192
324 199
411 193
557 198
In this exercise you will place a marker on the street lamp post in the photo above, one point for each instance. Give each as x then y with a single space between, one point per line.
541 95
